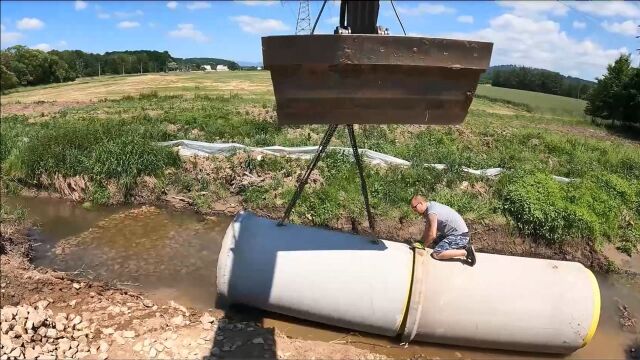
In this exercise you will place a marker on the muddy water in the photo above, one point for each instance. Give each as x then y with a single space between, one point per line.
172 256
166 254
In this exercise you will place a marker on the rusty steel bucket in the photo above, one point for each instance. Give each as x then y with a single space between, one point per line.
373 79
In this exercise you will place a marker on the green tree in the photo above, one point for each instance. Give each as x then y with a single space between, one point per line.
8 80
615 95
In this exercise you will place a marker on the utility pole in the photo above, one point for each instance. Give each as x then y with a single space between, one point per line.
99 73
122 68
303 25
140 68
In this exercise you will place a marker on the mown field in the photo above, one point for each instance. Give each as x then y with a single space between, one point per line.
106 149
535 102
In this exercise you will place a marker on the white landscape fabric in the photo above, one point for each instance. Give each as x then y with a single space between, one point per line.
199 148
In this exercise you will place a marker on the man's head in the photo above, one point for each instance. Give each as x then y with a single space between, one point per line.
419 204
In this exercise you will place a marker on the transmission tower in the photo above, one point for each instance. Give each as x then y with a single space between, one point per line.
303 26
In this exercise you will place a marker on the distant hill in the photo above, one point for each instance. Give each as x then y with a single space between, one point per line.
536 79
486 77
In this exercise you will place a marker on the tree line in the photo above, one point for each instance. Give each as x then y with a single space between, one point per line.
22 66
616 96
538 80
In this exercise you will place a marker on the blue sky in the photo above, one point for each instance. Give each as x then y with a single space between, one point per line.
575 38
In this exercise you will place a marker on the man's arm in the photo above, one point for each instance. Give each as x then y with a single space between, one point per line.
430 230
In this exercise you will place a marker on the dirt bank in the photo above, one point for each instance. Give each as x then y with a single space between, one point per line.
48 314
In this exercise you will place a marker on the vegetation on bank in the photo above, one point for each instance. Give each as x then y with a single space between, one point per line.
616 96
112 142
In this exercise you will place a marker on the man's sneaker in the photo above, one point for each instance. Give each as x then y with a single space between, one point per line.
471 255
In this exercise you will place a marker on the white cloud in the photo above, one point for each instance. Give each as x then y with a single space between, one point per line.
128 24
535 9
198 5
465 19
425 8
29 24
188 31
125 15
579 25
627 9
103 16
258 2
9 37
80 5
628 27
172 5
541 43
43 47
254 25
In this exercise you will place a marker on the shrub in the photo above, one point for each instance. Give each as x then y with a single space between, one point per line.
598 207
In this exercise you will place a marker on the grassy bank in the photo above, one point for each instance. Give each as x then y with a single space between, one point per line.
103 150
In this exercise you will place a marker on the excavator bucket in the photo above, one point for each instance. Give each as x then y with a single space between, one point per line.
373 79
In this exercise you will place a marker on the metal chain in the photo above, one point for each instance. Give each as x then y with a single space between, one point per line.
326 139
363 183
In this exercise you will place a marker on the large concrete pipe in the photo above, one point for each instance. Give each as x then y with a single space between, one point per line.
503 302
341 279
326 276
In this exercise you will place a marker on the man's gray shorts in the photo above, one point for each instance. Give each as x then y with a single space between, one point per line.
452 242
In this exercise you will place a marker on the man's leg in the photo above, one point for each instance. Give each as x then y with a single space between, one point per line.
455 246
448 248
450 254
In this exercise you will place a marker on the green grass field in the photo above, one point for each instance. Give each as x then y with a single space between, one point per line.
536 102
109 143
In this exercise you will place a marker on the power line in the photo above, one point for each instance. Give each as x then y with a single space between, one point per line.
398 16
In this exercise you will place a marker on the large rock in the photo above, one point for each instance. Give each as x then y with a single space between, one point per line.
63 345
16 353
69 353
36 318
8 313
33 353
22 313
206 318
178 320
104 347
5 327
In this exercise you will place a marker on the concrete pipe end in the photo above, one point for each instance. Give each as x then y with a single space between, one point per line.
595 318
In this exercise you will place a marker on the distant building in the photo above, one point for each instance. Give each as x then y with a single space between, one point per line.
259 68
222 68
207 68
